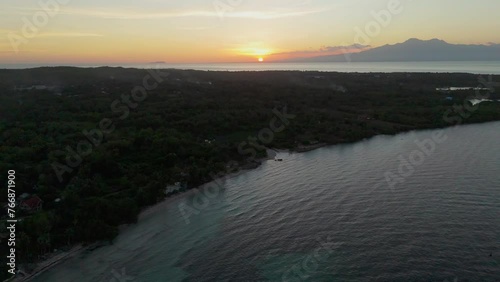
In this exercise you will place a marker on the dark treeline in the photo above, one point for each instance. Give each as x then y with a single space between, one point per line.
187 128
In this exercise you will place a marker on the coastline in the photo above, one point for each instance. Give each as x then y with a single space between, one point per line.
51 262
271 153
56 259
308 148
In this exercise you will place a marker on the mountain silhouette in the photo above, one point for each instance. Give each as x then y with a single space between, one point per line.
416 50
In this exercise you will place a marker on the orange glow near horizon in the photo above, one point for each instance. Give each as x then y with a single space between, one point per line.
251 52
175 32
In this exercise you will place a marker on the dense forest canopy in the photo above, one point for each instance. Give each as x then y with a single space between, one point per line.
186 127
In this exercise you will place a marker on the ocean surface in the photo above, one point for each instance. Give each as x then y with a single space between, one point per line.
484 67
326 215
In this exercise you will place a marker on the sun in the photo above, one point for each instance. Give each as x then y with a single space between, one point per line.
261 59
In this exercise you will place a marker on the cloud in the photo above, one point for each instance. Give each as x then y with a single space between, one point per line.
326 50
128 15
297 10
69 34
196 27
266 15
8 49
137 15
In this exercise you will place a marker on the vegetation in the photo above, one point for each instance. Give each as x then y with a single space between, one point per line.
188 128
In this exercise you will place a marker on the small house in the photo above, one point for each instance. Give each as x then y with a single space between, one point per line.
32 204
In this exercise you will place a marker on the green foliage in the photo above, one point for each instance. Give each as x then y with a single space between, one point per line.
186 130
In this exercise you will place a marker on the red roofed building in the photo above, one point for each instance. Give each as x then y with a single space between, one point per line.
31 204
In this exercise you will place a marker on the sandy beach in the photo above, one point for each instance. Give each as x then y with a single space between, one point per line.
56 259
50 262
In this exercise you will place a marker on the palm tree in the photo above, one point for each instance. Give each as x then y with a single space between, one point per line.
44 242
70 232
24 241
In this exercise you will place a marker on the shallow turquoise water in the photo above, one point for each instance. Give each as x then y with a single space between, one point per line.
325 215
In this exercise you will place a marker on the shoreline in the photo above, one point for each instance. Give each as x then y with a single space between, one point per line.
271 153
56 259
252 67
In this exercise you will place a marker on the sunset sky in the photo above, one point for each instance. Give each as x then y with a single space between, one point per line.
189 31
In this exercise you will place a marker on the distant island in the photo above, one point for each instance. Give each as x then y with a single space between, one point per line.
415 50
